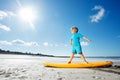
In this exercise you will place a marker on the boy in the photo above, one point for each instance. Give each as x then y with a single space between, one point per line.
75 42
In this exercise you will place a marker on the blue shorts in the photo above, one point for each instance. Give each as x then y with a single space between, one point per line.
76 49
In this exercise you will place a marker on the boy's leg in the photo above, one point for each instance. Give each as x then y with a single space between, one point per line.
71 58
83 58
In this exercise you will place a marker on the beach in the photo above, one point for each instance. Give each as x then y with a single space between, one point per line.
24 67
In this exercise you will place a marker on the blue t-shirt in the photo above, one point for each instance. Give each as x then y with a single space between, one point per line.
76 39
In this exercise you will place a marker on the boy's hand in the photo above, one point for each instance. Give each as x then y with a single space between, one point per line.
87 39
70 42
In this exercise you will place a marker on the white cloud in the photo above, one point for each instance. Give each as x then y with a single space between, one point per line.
84 43
45 43
19 42
50 44
5 43
10 13
99 15
4 27
4 14
31 44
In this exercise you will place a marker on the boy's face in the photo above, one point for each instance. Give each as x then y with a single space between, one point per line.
73 31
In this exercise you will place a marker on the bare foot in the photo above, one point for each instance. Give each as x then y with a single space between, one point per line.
69 62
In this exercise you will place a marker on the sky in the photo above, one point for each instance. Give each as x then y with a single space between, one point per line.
43 26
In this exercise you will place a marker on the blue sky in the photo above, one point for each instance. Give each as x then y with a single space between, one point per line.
44 26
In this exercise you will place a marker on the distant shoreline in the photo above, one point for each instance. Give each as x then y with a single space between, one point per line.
21 53
45 55
62 56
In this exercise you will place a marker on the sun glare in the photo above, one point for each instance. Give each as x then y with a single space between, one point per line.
27 14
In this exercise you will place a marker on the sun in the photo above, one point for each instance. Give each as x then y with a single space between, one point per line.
27 14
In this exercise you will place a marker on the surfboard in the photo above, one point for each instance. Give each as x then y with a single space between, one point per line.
79 65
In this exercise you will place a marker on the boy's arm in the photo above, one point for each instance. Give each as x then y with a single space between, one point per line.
87 39
70 42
